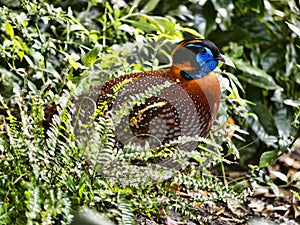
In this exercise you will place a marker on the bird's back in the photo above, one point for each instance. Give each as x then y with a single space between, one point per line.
157 107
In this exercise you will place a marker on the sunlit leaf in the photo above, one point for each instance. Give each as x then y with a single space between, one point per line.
127 28
31 86
294 28
191 31
264 82
235 80
81 190
292 102
228 61
296 194
91 57
9 30
150 6
279 175
164 23
76 27
274 188
261 133
21 55
73 63
267 158
144 26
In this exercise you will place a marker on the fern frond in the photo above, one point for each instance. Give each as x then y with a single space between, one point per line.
127 216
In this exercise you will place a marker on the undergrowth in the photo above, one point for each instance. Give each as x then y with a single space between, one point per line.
51 55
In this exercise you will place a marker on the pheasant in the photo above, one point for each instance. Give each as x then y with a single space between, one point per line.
157 107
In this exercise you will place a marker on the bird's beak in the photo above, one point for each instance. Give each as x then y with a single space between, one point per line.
220 57
226 60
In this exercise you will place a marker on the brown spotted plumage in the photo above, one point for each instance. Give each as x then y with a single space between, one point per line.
186 105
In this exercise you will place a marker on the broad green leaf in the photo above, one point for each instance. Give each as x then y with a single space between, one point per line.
292 102
250 28
246 67
233 79
75 64
91 57
81 190
267 158
282 123
127 28
31 86
75 27
274 188
166 23
261 82
256 76
150 6
268 59
265 117
294 28
280 175
261 133
21 55
144 26
228 61
191 31
9 30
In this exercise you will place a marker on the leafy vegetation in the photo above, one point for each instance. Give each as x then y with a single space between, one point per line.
52 51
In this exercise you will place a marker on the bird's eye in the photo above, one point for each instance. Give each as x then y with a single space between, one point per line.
202 50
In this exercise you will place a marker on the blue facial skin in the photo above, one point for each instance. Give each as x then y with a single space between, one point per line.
206 61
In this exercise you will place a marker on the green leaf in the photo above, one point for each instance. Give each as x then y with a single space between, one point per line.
235 80
73 63
292 102
256 76
259 81
265 117
296 176
21 55
166 24
261 133
267 158
274 188
191 31
76 27
251 28
150 6
228 61
91 57
144 26
296 194
127 28
281 121
9 30
280 175
81 190
294 28
31 86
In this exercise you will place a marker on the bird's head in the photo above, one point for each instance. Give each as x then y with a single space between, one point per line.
196 58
